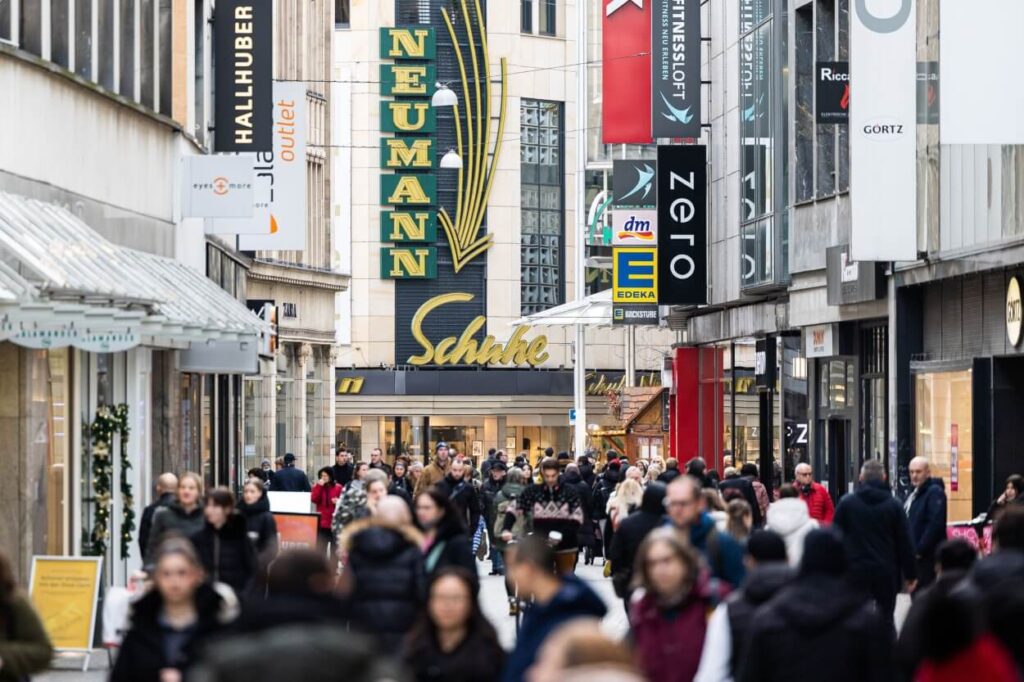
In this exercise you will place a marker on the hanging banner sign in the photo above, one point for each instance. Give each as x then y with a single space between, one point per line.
282 174
633 184
626 72
832 92
243 43
682 225
218 186
64 592
634 228
883 132
635 313
635 275
675 68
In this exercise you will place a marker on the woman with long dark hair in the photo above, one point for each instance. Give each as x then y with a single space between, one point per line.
255 509
454 641
223 544
24 645
446 542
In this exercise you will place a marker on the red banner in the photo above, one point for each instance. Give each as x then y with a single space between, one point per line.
626 72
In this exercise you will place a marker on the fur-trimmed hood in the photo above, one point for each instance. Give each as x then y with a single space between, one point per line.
407 531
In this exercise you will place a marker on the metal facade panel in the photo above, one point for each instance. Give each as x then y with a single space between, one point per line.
952 313
932 345
973 317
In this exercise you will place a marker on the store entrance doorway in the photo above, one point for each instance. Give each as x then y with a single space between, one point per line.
834 446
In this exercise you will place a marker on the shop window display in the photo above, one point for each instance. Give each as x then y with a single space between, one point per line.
943 404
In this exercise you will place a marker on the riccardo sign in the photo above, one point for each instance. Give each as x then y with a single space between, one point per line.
465 349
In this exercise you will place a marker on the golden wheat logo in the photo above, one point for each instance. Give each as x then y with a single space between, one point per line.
476 176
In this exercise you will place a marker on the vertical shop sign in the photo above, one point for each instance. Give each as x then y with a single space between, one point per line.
626 72
954 458
675 68
832 92
883 136
682 225
243 42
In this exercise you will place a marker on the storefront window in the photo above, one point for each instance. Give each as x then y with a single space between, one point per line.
47 382
350 438
283 425
315 427
943 404
534 440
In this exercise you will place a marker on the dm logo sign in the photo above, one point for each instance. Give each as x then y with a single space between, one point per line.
634 228
635 275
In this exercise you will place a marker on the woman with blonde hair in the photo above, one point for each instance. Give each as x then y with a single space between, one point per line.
627 498
182 518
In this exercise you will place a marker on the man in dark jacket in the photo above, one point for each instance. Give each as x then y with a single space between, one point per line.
343 469
632 531
289 479
485 466
671 471
587 538
461 491
818 627
377 462
495 481
586 465
926 514
742 488
166 493
877 540
556 600
685 505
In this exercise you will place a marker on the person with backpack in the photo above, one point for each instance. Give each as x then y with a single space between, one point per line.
515 484
669 622
684 503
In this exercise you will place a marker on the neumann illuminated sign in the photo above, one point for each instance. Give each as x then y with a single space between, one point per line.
243 40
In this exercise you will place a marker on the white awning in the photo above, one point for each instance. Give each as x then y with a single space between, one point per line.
62 284
593 311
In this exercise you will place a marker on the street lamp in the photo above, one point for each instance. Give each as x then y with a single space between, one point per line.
444 96
451 160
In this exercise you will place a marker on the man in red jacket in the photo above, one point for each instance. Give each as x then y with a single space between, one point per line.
819 502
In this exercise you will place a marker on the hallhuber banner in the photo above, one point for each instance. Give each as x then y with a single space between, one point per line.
243 41
682 225
675 68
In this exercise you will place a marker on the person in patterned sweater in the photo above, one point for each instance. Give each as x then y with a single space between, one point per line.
551 507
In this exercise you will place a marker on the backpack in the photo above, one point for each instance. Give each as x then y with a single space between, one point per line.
520 528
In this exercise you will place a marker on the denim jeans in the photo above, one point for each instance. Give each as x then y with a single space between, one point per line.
497 561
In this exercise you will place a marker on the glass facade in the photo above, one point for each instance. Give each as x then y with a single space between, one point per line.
542 205
943 414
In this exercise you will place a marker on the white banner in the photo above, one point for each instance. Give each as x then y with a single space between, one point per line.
282 175
634 227
218 186
980 98
883 133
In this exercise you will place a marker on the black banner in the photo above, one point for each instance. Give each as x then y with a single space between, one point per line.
243 106
675 68
682 225
832 92
928 93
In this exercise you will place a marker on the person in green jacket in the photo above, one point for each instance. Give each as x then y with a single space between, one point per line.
24 645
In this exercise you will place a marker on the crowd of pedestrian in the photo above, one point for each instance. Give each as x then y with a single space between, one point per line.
721 580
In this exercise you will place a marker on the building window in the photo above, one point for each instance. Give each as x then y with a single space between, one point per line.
412 12
943 404
548 17
526 16
541 204
341 13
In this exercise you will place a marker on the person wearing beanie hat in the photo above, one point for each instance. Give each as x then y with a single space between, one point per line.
728 628
290 479
818 626
434 472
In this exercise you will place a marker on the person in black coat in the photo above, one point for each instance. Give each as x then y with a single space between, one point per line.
384 571
818 627
631 532
166 493
289 479
586 466
254 507
877 540
181 518
223 544
603 489
170 623
587 537
460 490
343 469
445 540
926 515
454 641
742 488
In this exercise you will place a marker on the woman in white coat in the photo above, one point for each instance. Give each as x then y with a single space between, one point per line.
789 518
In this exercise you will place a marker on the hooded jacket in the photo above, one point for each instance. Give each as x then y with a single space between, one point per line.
632 531
927 518
389 581
261 525
142 654
573 600
789 518
325 499
816 628
463 495
227 553
173 520
876 537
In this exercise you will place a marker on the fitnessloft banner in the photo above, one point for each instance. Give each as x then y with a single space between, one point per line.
675 57
682 225
243 42
626 68
883 132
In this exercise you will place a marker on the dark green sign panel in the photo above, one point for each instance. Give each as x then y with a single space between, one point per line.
408 42
408 262
407 153
406 79
411 189
408 226
407 116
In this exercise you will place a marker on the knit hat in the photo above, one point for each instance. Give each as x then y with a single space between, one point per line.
823 554
440 444
289 458
765 546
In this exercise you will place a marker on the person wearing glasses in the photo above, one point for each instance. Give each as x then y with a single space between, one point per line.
685 506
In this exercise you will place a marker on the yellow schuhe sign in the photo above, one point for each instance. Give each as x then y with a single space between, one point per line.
466 350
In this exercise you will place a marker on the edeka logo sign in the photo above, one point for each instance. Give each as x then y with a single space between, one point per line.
634 275
682 225
465 349
243 41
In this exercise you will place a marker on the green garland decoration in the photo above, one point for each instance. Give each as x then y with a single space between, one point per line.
110 421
